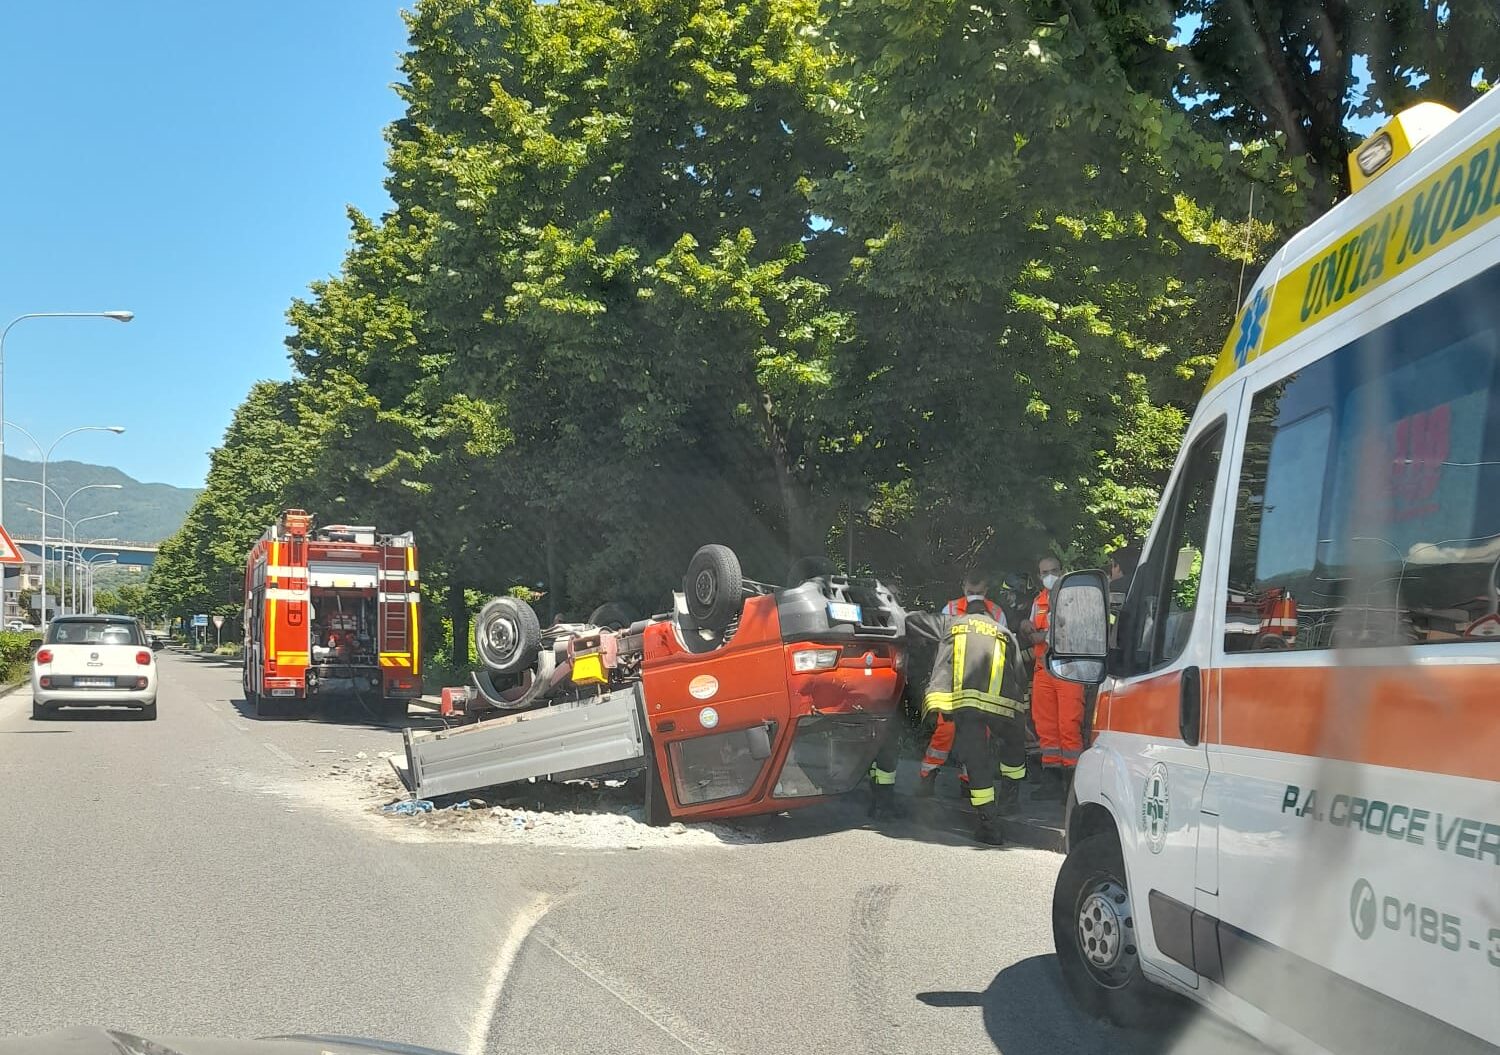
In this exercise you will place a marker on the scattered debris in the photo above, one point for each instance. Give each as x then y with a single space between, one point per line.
584 814
407 807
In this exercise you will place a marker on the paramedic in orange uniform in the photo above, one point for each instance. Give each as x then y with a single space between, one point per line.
975 586
1056 705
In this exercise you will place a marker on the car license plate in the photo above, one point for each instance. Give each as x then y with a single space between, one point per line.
283 692
843 612
94 683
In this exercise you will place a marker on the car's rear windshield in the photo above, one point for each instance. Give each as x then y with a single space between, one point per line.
93 632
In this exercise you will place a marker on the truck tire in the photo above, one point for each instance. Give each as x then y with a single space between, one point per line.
507 635
262 706
1094 930
393 710
613 615
714 587
804 568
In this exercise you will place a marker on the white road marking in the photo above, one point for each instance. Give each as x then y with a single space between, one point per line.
525 921
663 1018
279 753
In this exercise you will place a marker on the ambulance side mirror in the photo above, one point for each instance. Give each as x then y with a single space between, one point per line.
1078 633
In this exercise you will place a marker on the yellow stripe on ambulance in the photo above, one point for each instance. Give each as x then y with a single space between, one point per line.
1426 219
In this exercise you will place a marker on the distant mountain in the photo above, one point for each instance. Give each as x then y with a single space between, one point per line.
148 512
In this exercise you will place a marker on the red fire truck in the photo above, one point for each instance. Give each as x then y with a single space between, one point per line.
331 611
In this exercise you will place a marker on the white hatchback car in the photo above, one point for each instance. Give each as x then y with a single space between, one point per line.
93 661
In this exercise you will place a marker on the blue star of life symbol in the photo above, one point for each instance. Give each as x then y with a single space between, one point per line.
1252 325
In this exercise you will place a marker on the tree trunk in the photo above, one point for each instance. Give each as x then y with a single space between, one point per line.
458 614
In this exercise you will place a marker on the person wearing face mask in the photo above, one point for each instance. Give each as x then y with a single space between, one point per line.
1056 705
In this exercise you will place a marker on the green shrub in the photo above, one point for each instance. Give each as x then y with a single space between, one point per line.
15 654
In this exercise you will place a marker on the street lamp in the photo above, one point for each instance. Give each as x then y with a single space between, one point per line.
84 570
62 564
78 553
89 567
63 501
117 316
46 457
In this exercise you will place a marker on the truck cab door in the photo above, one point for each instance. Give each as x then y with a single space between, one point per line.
1160 707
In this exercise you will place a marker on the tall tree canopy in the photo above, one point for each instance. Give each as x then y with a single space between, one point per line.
929 282
1300 70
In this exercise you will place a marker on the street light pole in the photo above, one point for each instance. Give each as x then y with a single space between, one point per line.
118 316
64 572
46 457
63 501
88 567
72 525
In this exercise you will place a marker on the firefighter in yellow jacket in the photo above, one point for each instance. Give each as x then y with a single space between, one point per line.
977 681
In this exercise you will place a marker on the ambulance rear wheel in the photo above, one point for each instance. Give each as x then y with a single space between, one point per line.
507 635
714 586
1094 927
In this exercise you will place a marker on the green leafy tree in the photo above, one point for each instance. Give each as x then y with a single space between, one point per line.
1034 250
261 468
1284 71
127 598
593 313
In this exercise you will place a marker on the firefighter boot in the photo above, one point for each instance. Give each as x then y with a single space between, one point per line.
927 786
1054 785
883 805
990 828
1007 796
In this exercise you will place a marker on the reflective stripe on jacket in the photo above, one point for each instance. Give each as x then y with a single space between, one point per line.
977 664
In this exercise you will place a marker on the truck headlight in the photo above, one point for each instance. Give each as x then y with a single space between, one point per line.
810 659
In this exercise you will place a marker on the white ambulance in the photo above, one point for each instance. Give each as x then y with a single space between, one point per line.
1290 809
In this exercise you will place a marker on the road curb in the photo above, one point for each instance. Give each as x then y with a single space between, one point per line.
226 661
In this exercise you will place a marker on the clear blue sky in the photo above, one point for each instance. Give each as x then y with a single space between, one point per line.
190 161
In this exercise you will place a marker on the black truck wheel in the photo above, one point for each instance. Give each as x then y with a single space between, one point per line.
506 635
714 586
804 568
613 615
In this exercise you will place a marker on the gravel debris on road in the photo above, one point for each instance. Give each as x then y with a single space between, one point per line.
587 815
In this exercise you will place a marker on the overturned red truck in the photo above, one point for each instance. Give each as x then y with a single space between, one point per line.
746 698
331 611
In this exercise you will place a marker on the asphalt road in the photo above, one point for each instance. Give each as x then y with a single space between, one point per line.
190 877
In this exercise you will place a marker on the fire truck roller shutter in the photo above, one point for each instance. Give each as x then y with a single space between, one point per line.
340 575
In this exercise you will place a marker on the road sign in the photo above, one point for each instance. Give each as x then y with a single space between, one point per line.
200 620
218 621
9 552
